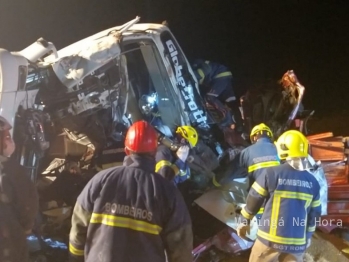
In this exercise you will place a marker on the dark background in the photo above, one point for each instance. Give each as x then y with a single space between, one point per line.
258 40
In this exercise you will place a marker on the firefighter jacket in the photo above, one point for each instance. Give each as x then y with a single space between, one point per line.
216 78
129 213
292 207
250 161
18 210
170 168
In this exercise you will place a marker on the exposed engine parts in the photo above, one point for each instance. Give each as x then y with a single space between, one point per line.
72 107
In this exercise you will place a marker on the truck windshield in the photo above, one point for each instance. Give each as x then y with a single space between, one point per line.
148 77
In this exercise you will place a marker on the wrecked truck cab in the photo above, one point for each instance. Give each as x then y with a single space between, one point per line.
13 73
85 89
67 103
71 102
155 64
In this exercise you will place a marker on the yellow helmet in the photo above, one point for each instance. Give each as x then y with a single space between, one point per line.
292 143
189 133
260 130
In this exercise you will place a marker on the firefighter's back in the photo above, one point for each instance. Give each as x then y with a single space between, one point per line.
131 214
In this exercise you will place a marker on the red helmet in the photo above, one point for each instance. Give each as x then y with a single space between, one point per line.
141 137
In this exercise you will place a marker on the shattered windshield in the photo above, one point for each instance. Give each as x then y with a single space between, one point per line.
151 95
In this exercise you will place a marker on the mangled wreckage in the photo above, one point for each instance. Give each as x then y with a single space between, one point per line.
68 106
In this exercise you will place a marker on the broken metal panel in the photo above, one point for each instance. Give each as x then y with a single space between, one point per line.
214 203
72 69
228 241
62 146
290 81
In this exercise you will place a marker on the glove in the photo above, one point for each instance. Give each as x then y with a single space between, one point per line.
243 229
182 153
308 242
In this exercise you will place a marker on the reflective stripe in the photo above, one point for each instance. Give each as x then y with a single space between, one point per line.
316 203
260 190
278 195
261 210
202 75
262 165
281 240
212 94
296 195
229 99
163 163
214 181
182 172
224 74
124 222
245 214
75 251
311 229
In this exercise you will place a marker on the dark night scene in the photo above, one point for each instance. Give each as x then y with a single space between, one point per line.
174 131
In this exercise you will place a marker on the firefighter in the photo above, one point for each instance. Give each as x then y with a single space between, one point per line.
18 201
283 233
215 82
172 165
253 159
130 213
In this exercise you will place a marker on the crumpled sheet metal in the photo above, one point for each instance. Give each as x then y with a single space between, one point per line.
214 203
93 54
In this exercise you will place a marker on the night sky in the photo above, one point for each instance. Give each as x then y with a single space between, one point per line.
258 40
